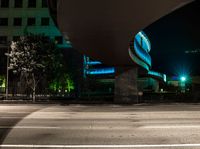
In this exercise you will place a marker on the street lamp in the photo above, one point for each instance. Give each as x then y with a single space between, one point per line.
7 74
183 78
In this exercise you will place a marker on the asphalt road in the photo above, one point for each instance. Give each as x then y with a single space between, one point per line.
25 126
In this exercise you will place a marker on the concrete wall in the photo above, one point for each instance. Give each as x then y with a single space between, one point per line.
126 85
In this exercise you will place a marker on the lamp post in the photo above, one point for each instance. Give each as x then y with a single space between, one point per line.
183 81
7 74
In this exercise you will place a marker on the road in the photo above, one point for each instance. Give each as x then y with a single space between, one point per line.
25 126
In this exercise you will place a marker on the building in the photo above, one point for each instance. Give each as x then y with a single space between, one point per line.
147 79
19 17
99 78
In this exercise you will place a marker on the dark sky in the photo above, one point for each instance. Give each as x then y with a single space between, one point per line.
171 36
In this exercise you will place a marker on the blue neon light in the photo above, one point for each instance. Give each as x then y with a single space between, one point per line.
138 61
100 71
143 40
157 74
141 47
95 71
141 53
93 63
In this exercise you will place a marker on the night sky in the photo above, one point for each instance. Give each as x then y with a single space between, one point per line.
171 36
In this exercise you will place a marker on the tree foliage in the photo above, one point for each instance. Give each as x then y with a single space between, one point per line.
33 57
63 84
2 81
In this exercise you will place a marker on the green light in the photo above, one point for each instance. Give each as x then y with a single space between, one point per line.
65 83
183 79
2 82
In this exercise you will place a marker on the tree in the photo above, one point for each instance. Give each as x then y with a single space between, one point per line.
33 56
62 84
2 81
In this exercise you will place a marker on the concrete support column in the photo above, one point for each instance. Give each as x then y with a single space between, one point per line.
126 85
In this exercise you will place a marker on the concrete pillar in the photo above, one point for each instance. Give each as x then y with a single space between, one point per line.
126 85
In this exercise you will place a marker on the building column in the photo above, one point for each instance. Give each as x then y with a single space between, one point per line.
126 85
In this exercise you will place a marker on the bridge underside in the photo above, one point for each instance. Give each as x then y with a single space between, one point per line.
103 30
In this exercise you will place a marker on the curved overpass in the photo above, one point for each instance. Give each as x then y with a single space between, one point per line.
102 29
109 31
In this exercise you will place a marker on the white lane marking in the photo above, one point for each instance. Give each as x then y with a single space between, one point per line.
171 127
6 112
28 127
11 117
101 127
99 146
37 118
66 128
